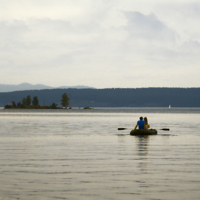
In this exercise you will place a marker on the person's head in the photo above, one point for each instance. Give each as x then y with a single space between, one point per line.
141 118
146 120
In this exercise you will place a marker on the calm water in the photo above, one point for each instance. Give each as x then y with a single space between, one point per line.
80 155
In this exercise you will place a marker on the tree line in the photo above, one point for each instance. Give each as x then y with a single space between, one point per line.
34 103
113 97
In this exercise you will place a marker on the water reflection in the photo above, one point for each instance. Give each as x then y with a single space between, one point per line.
142 152
142 145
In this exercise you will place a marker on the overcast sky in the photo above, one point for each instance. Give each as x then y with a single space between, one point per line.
100 43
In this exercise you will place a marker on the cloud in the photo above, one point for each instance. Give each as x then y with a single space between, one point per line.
25 44
191 47
98 43
148 27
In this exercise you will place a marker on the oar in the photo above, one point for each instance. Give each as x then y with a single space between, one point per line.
122 129
163 129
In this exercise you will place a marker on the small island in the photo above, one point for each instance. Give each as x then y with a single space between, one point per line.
87 107
28 103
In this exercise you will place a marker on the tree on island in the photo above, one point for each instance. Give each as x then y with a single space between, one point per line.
19 104
24 101
28 100
35 101
14 104
65 100
54 106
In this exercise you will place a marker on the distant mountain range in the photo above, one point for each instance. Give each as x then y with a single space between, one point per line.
28 86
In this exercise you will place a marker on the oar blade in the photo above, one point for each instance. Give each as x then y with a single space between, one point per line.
122 128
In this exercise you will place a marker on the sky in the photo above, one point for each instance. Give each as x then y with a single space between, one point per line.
100 43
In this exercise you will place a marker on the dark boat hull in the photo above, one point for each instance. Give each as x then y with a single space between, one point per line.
143 132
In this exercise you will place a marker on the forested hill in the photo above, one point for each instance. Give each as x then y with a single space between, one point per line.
139 97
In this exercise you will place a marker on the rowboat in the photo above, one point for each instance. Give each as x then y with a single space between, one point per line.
143 132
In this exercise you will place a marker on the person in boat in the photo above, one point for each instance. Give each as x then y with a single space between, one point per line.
146 123
141 124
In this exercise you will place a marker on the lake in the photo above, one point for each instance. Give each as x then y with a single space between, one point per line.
80 155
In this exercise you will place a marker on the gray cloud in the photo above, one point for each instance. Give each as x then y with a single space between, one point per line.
148 27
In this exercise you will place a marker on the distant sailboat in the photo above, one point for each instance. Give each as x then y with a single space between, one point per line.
169 106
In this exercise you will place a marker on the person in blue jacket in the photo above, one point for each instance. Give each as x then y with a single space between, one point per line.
141 124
